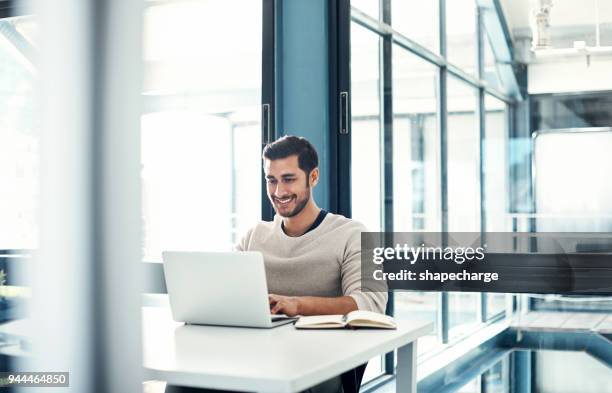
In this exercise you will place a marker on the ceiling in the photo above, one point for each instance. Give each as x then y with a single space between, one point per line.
570 20
563 12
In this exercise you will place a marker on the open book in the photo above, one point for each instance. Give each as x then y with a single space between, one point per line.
353 319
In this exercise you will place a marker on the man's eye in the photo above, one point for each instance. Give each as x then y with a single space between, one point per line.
270 181
289 180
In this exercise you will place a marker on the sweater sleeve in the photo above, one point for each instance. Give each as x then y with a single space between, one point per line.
367 298
243 244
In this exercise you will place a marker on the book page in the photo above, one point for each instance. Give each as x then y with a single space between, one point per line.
370 319
321 321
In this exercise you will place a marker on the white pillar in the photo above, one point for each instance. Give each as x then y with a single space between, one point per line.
86 278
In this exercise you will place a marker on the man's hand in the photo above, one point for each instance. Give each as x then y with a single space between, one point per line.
311 305
288 305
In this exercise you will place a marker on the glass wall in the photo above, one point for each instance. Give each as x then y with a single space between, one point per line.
463 158
18 137
496 166
19 163
416 144
490 69
201 138
429 102
461 39
416 171
366 160
419 20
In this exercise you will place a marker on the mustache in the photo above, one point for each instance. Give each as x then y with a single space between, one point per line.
283 197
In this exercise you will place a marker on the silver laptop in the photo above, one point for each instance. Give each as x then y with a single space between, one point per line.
219 288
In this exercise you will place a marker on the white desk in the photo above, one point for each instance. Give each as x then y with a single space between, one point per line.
279 360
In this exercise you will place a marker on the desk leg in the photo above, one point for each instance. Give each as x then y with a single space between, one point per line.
406 368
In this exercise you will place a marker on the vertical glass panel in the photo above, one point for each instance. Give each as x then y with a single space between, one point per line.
418 20
18 141
491 72
461 43
201 141
496 304
366 151
369 7
463 189
19 165
366 160
463 314
463 158
416 175
423 306
496 166
416 144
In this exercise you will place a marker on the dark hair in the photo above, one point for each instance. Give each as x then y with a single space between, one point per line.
293 145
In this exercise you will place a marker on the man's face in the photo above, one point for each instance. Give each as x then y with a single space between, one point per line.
288 185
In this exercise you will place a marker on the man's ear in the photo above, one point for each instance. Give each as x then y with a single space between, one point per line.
314 177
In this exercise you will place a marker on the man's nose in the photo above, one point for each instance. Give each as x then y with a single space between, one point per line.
280 191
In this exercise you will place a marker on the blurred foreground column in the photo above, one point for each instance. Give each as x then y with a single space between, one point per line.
86 282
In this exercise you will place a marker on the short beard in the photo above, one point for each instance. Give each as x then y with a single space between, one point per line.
298 209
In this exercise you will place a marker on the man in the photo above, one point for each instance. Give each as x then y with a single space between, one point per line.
312 257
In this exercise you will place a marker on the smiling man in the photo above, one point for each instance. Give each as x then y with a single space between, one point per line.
312 257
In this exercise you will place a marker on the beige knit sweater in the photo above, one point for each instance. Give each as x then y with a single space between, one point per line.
323 262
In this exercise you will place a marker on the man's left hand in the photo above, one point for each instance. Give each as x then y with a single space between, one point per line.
288 305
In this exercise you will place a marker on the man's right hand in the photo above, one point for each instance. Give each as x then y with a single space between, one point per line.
288 305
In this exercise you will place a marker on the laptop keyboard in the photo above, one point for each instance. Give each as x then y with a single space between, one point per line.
279 317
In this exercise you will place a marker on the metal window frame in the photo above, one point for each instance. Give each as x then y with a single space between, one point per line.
382 28
339 106
268 91
386 69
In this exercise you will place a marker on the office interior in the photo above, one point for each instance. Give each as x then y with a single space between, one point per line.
132 127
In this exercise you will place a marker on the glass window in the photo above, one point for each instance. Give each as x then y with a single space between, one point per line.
418 20
463 188
366 159
18 141
416 173
366 152
423 306
461 43
463 151
416 144
19 160
369 7
496 166
463 316
491 71
496 304
201 139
